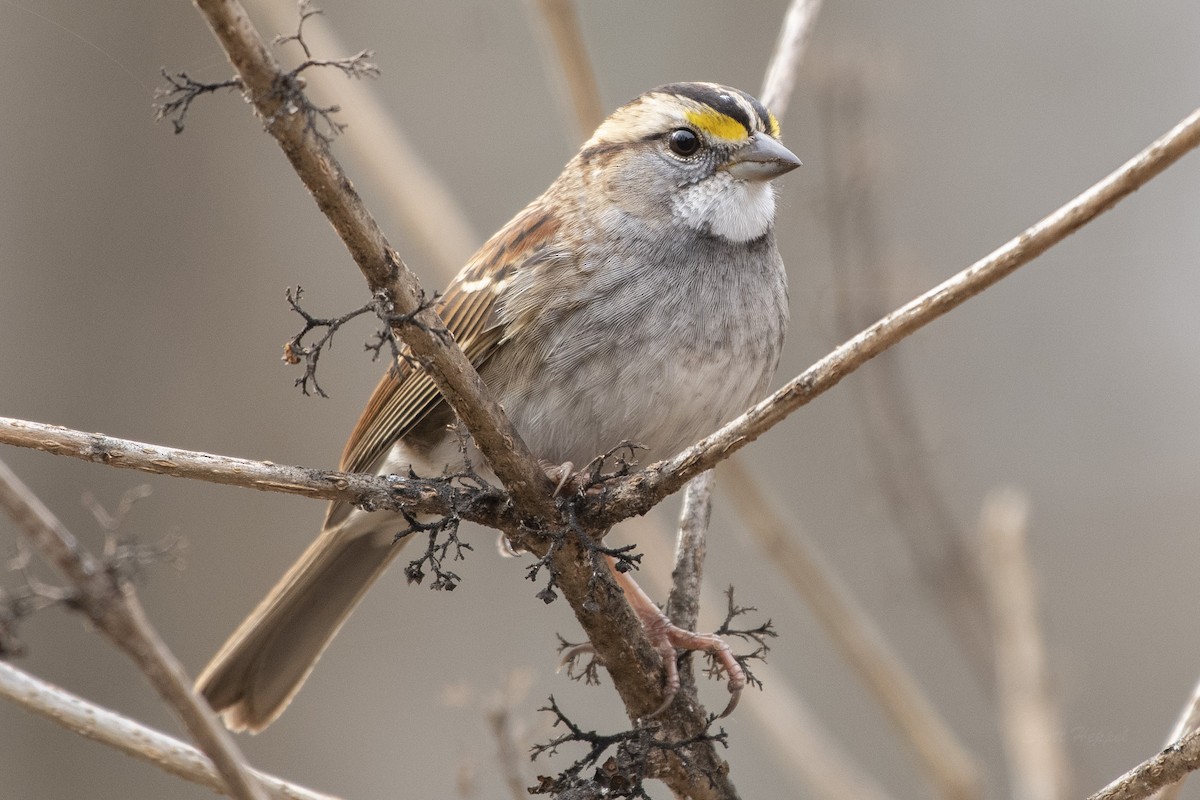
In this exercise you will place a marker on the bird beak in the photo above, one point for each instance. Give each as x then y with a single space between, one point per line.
761 159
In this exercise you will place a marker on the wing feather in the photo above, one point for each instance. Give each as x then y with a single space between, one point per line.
406 395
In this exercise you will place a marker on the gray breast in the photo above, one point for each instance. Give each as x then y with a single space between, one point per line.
659 348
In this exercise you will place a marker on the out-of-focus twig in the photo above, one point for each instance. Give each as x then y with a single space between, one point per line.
1169 766
801 745
946 763
132 738
509 753
279 100
566 58
1188 723
1038 765
416 196
683 604
789 50
865 281
110 603
638 492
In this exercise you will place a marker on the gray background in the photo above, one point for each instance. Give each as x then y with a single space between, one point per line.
141 294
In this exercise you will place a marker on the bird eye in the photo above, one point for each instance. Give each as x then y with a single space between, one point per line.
683 142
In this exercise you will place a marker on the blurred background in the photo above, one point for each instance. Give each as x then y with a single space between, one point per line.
142 279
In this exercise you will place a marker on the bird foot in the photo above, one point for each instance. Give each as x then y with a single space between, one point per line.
560 474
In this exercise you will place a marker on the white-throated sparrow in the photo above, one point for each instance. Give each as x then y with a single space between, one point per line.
640 298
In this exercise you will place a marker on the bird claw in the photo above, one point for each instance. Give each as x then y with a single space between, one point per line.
668 637
560 474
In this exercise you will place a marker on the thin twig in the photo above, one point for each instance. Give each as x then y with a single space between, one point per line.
112 606
131 738
281 103
393 493
1169 766
416 196
944 760
789 50
865 277
642 490
801 745
1187 724
569 66
683 604
1029 713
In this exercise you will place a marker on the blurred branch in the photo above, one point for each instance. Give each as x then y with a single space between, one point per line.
110 603
683 604
130 737
789 50
1170 766
280 101
636 493
642 490
800 744
1188 723
945 761
565 48
1028 709
863 273
509 753
416 196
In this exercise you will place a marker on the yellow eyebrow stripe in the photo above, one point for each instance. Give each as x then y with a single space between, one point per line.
717 124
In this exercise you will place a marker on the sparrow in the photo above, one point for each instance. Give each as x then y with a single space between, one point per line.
640 298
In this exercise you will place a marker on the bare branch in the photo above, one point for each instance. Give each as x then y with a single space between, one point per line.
1169 766
946 762
642 490
801 745
434 496
1188 723
280 102
111 604
683 604
789 50
565 48
132 738
1031 719
415 195
894 439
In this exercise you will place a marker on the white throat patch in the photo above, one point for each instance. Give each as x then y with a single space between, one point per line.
737 211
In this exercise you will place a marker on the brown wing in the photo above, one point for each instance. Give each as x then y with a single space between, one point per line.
405 397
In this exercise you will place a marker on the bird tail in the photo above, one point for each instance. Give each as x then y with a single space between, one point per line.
260 668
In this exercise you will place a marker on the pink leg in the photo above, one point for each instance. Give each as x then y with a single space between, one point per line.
667 637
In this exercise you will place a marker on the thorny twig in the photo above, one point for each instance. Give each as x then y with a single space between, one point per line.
295 351
758 635
621 775
590 674
174 101
436 552
124 558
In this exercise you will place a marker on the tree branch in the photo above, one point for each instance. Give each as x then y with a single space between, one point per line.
280 102
111 604
131 738
789 49
433 496
561 34
1169 766
683 604
1187 724
1029 714
945 762
639 492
